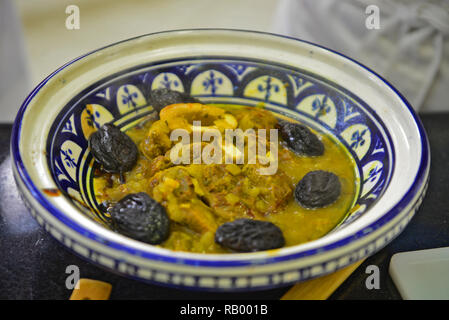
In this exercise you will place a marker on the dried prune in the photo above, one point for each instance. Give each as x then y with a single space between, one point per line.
113 149
140 217
300 139
248 235
163 97
318 189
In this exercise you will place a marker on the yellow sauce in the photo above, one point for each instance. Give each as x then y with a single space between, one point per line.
298 224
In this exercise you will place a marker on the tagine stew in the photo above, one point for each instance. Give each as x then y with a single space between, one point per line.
220 206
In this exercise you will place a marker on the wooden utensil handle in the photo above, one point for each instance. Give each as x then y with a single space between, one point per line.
320 288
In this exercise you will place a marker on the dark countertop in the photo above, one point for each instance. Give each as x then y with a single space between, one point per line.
33 264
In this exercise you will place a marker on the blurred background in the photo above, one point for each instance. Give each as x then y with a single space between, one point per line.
409 47
102 22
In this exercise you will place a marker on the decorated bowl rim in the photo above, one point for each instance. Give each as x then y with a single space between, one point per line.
202 259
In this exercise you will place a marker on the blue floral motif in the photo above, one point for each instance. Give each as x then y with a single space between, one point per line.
58 171
379 144
378 188
143 77
68 126
268 88
348 109
68 158
183 68
211 82
167 83
299 82
321 107
128 98
379 147
373 173
357 138
238 68
91 119
103 93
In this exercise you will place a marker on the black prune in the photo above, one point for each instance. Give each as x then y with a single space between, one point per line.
113 149
248 235
140 217
163 97
318 189
300 139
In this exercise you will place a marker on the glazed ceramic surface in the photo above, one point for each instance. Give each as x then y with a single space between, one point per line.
323 89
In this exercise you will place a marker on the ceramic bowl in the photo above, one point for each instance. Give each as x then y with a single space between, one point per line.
322 88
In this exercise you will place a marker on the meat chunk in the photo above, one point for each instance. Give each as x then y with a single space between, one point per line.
157 164
243 193
266 193
256 118
182 116
158 140
174 188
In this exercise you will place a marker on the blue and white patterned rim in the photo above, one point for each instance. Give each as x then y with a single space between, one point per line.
418 184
